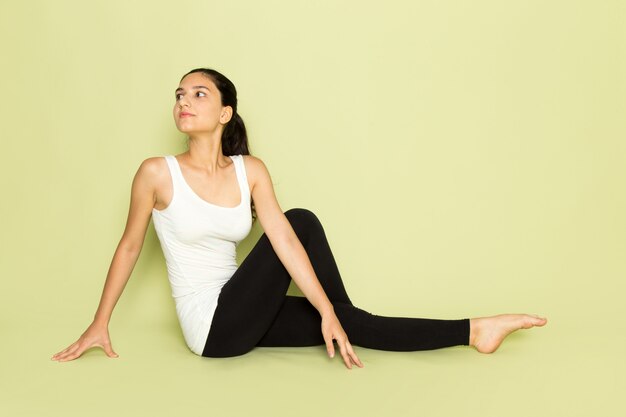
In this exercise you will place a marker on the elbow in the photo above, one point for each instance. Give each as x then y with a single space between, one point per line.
129 247
282 236
290 243
283 242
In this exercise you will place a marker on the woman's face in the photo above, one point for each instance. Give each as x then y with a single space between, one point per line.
198 106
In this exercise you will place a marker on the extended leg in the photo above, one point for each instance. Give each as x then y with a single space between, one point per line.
298 324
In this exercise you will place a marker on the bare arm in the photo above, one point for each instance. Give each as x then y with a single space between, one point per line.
292 254
124 260
128 250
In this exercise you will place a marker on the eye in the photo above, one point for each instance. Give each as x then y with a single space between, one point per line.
200 92
178 96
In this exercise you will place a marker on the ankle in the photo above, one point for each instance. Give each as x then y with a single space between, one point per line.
473 332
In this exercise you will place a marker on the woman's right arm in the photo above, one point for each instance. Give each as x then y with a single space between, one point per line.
143 197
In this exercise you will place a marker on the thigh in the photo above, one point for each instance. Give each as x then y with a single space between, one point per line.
297 323
248 302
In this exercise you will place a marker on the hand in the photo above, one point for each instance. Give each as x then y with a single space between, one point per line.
95 335
331 329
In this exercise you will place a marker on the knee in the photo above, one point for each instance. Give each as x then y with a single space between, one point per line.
302 220
301 215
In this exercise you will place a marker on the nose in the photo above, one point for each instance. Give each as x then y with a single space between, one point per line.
183 102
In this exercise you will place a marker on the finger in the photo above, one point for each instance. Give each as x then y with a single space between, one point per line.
65 353
353 355
63 356
65 350
344 353
69 358
75 354
76 349
108 349
330 348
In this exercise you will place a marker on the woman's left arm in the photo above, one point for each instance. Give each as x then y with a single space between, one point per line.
292 254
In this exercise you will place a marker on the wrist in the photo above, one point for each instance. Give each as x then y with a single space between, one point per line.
327 310
100 323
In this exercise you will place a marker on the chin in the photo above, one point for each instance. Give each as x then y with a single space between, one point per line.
186 129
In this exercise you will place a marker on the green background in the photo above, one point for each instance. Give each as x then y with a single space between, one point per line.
465 158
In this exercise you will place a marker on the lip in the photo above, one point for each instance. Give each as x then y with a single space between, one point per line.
185 114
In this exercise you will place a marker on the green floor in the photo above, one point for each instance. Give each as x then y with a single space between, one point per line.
572 367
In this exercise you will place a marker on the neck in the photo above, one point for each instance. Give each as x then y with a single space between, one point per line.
205 150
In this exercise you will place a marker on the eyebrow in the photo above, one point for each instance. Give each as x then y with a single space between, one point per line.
195 86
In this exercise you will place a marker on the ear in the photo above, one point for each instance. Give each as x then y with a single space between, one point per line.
227 114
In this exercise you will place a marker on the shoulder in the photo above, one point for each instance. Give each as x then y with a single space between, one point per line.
152 170
254 165
153 163
251 160
256 171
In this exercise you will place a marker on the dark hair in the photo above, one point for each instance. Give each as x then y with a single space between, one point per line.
234 137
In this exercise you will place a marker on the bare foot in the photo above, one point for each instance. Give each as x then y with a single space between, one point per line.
487 333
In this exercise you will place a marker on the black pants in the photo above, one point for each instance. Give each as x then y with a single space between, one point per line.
254 310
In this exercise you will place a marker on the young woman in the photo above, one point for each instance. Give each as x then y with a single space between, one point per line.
202 203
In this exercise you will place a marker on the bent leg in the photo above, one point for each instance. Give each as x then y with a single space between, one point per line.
249 302
311 234
297 324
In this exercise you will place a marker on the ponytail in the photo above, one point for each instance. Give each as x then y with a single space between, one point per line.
235 137
235 142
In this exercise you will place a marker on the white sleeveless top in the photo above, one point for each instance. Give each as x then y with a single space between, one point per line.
198 240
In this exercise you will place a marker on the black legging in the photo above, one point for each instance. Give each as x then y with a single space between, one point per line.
254 310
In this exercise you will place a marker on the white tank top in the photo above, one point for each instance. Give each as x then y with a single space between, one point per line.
198 240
